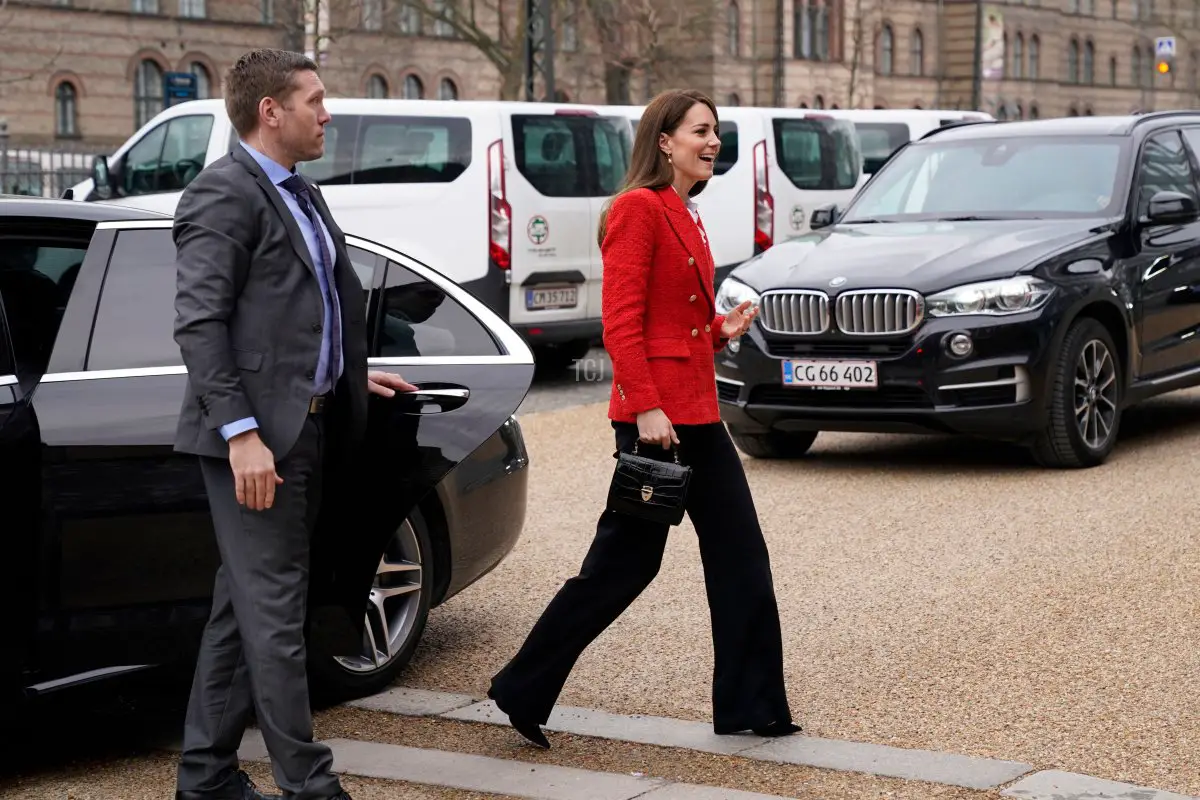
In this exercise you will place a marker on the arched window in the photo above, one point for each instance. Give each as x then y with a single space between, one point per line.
1018 57
447 90
377 86
414 89
733 19
203 80
887 50
819 101
1073 61
916 53
1035 54
147 92
733 100
66 113
1089 63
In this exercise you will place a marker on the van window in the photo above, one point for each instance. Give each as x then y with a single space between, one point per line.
378 149
878 140
818 153
167 158
729 148
572 155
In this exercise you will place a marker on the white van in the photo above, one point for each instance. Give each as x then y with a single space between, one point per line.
502 197
775 167
882 131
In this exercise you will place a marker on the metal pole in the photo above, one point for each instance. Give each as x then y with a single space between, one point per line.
3 155
539 49
779 99
977 69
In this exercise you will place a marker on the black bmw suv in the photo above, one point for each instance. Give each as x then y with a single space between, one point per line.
1022 281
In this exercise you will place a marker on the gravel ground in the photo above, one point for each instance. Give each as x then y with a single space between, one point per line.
936 593
608 756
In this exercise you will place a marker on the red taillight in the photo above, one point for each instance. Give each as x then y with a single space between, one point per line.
499 211
764 203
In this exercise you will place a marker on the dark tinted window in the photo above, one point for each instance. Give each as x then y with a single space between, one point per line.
419 319
7 365
571 155
377 149
878 140
36 278
168 158
729 148
818 153
1164 168
136 318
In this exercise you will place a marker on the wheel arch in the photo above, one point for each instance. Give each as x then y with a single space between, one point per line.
1116 320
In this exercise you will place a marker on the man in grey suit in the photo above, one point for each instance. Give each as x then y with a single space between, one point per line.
271 323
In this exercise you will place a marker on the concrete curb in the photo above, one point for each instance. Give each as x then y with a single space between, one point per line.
920 765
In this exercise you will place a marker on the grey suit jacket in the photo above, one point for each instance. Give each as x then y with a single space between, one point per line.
248 313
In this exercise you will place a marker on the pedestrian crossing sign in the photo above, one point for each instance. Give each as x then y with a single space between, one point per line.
1164 47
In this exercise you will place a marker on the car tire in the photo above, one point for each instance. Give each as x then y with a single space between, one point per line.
775 444
340 677
1071 440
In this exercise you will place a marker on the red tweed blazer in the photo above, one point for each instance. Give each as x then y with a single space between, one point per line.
661 328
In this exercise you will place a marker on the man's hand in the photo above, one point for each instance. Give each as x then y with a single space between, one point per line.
738 320
254 476
386 384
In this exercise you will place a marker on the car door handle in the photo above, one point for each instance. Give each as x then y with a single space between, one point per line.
463 393
434 401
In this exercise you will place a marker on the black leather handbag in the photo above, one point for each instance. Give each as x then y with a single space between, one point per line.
648 488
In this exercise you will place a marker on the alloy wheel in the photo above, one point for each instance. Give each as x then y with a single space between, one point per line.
393 605
1095 394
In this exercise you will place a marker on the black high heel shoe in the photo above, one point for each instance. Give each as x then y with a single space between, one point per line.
526 727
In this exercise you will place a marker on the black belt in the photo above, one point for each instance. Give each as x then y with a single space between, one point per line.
319 403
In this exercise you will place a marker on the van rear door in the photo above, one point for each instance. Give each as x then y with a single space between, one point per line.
568 162
817 161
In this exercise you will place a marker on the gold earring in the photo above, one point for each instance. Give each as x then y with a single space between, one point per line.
669 161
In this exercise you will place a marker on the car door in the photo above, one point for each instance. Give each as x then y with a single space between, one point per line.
472 371
1168 262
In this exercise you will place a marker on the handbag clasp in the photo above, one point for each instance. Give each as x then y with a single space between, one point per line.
647 493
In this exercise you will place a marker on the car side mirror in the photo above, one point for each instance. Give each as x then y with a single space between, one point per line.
1172 208
102 178
823 217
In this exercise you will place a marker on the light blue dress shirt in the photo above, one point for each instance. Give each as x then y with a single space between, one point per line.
277 174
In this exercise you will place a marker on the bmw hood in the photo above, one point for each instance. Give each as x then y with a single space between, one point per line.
923 256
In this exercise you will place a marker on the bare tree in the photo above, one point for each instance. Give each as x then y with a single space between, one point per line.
7 17
861 27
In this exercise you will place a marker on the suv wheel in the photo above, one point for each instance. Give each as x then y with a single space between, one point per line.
775 444
1085 402
397 610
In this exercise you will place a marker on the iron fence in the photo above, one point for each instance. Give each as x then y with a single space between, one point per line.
43 171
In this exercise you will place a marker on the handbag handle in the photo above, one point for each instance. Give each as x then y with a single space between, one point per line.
674 450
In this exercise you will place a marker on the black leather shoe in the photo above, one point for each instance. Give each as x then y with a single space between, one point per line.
250 791
526 727
239 787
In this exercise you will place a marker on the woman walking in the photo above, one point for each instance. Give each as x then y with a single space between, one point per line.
661 331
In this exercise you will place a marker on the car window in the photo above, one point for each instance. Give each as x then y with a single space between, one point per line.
729 148
135 322
36 279
879 140
7 364
417 318
392 149
571 155
1043 177
1164 167
818 153
167 158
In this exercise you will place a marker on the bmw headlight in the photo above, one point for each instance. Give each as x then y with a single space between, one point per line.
996 298
732 294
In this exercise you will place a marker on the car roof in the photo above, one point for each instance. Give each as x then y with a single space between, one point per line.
21 206
1059 126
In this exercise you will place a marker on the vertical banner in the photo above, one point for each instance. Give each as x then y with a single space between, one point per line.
991 51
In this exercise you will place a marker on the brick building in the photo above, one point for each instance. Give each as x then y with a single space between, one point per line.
71 72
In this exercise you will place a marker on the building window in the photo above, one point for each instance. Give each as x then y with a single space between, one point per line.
569 32
733 100
887 50
372 15
733 21
414 89
1072 111
147 92
442 10
1135 67
1035 54
410 20
194 9
145 6
1089 63
268 12
916 53
203 80
1018 57
66 114
1073 61
1033 111
447 90
810 34
819 101
377 87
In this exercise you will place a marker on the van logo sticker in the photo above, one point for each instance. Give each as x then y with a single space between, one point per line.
538 229
797 217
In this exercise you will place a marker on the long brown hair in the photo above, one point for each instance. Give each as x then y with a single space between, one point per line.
648 165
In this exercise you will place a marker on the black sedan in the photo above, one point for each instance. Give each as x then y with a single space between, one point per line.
108 542
1021 281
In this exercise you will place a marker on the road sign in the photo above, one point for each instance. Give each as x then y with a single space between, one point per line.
178 87
1164 47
